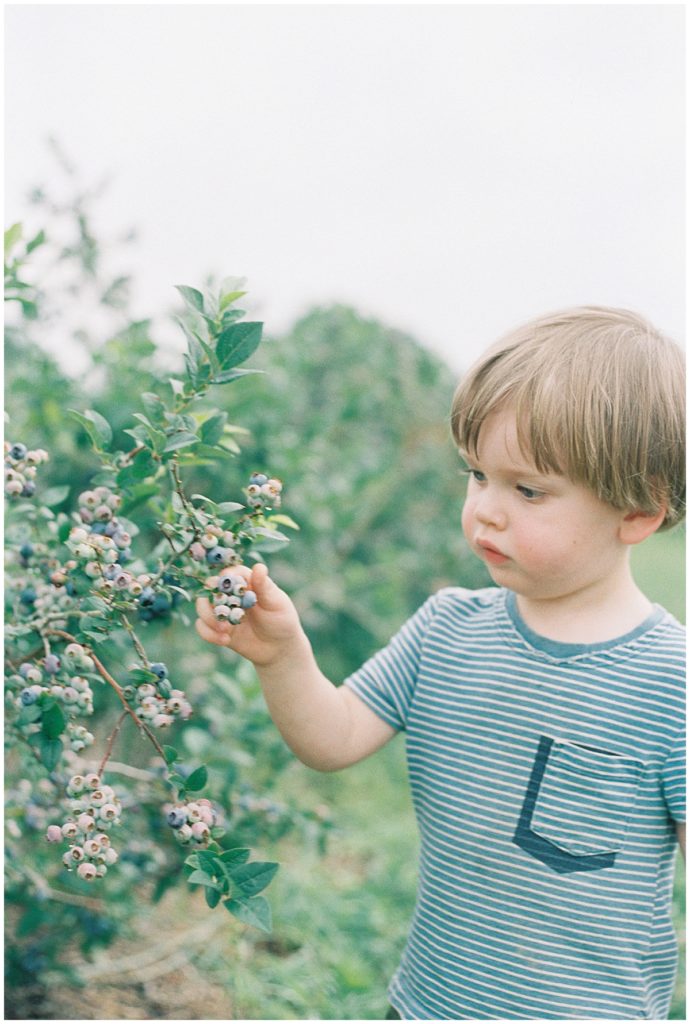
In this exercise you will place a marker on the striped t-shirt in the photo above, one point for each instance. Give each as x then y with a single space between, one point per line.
546 779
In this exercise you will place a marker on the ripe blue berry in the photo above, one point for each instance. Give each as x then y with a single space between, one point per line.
18 451
177 818
147 597
28 596
248 599
26 550
29 695
29 489
159 669
216 556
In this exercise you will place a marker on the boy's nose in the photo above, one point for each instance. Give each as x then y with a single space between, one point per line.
489 513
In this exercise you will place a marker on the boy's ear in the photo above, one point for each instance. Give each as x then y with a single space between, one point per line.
637 526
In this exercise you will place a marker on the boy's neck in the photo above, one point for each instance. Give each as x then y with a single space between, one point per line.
594 615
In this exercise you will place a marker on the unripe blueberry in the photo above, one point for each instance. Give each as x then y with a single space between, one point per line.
76 785
78 535
135 588
200 831
235 616
98 798
67 860
92 781
161 721
103 513
111 856
221 611
184 833
76 854
87 871
13 488
104 839
74 650
58 578
197 551
54 834
92 847
88 498
253 490
51 663
146 690
193 812
108 812
209 540
86 822
25 668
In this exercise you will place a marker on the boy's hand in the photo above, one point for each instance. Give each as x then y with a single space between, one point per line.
267 631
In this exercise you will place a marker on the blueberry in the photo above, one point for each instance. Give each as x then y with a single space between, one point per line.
51 664
29 489
28 696
28 596
258 478
98 528
226 584
25 668
26 550
159 669
216 556
176 819
147 597
248 599
18 451
161 604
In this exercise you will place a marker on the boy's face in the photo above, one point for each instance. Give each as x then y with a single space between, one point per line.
541 535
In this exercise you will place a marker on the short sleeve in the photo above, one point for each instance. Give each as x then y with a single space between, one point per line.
386 682
673 779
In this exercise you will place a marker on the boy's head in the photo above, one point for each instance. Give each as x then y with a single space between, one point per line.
599 396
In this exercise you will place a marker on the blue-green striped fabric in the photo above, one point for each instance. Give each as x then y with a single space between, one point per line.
546 779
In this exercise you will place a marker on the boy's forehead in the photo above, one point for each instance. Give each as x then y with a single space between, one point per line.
500 440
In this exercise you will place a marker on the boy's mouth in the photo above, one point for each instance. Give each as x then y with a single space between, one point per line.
491 554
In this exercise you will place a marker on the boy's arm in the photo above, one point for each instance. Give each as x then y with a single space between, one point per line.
327 727
680 832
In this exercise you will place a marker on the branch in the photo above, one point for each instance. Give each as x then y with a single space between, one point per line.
111 743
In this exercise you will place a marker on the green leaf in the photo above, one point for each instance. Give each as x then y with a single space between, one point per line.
228 298
171 754
51 751
237 342
255 912
53 721
12 236
198 779
252 878
98 428
55 496
240 855
284 521
154 406
181 439
199 877
227 376
213 897
37 240
226 507
193 298
212 429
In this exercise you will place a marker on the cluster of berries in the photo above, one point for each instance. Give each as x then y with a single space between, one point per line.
263 491
58 678
192 822
231 599
94 810
20 469
158 704
215 547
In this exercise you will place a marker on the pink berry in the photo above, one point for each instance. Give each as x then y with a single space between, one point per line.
54 834
87 871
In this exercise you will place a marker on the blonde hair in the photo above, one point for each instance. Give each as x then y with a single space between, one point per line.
599 397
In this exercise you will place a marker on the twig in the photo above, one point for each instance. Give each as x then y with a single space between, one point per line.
111 743
59 896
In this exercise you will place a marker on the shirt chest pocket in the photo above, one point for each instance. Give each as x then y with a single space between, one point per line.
578 805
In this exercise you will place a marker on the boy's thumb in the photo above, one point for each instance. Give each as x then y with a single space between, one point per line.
267 593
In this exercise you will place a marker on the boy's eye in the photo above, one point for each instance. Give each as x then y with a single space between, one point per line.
477 475
529 493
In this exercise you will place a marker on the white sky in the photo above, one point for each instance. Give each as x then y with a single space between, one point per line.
450 169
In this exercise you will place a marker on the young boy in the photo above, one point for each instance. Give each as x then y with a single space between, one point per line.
544 716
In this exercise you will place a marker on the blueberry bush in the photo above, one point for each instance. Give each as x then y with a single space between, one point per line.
350 414
96 574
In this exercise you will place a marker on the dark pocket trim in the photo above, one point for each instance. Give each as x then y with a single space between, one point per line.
544 850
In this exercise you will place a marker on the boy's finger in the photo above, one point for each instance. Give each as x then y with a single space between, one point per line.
268 595
213 636
205 612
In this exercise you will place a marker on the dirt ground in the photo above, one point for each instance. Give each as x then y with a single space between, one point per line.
151 978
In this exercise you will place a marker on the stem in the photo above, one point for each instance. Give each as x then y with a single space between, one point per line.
102 671
138 646
111 743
